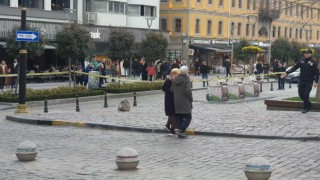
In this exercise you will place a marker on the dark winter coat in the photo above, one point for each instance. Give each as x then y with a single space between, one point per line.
168 98
181 88
204 69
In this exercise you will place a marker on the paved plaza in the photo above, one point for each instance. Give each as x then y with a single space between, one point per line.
88 153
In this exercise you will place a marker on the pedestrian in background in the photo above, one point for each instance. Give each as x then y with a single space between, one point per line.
228 67
309 73
172 122
15 69
265 68
151 71
144 70
204 70
3 71
281 80
181 89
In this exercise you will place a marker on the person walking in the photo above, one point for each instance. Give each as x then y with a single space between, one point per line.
14 70
309 73
228 67
181 89
204 70
281 81
3 71
144 70
151 71
265 68
172 122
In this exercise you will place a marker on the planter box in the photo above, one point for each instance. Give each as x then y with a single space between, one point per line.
283 105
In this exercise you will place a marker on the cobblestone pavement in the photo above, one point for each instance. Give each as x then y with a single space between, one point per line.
89 154
249 118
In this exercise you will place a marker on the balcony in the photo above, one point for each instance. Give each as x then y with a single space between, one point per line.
268 15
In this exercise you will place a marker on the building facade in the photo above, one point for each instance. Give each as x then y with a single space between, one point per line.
98 16
205 29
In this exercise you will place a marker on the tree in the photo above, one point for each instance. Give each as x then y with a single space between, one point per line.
34 49
238 53
295 53
75 43
120 44
281 49
154 46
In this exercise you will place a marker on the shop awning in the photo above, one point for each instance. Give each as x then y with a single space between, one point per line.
214 47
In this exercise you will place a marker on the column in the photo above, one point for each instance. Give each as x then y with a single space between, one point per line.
71 4
47 5
14 3
80 11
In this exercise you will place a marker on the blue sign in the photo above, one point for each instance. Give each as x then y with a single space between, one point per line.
27 36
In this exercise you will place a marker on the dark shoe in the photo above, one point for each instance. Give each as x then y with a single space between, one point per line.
179 133
305 110
166 128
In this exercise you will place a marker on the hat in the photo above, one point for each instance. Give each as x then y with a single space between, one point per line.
184 69
308 51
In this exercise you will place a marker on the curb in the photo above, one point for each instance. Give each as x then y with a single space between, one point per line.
57 122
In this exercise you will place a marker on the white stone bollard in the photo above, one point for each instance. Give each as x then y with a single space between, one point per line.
127 159
258 168
26 151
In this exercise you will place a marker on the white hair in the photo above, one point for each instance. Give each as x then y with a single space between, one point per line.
184 69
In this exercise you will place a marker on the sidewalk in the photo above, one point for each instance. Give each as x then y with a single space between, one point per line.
246 119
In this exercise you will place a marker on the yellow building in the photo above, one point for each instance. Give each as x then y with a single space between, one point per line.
204 29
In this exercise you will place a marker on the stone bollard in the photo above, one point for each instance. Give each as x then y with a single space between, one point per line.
127 159
134 99
191 84
290 83
260 86
26 151
271 88
258 168
105 100
124 106
77 104
45 110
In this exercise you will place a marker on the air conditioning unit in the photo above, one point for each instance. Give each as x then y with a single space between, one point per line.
191 52
91 18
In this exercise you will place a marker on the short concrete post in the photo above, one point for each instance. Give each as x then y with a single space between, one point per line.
45 110
105 100
290 83
260 86
77 104
271 88
26 151
134 99
127 159
258 168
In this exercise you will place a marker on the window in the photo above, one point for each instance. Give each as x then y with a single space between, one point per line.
307 11
233 3
148 11
285 32
318 13
163 25
178 1
197 26
279 31
57 5
310 34
220 2
300 34
117 7
134 10
220 27
198 1
297 10
290 33
239 29
240 4
247 29
317 35
101 6
210 2
311 13
280 4
291 9
253 30
248 4
286 8
301 12
232 28
297 33
5 2
275 4
164 1
178 25
254 4
209 27
273 31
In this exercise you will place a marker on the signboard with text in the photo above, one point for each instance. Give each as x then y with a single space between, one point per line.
27 36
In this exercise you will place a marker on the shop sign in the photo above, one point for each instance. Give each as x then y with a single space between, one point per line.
201 41
95 35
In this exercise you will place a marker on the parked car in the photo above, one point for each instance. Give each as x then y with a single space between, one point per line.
294 76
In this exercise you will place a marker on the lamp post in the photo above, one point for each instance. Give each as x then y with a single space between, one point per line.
307 29
252 20
22 107
149 22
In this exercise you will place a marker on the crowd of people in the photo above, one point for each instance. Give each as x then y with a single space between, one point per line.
9 82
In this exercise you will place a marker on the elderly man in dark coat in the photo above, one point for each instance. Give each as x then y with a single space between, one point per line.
181 88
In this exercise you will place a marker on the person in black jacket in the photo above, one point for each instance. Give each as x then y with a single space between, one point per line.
281 81
14 70
204 70
309 72
228 67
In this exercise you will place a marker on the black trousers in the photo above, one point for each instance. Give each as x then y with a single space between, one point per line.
304 92
2 82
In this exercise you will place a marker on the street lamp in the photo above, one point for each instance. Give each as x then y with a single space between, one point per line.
307 28
252 20
149 22
22 107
